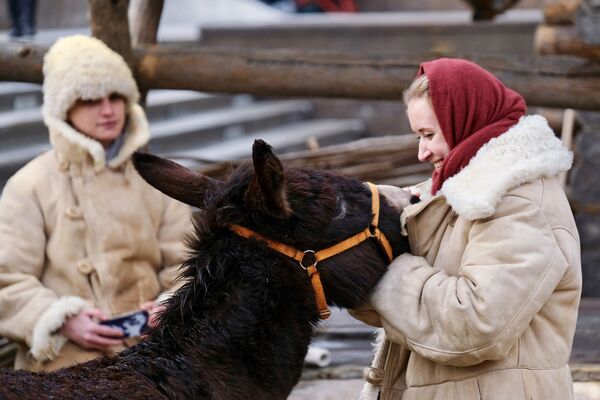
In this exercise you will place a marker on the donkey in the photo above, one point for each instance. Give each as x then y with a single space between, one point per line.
240 325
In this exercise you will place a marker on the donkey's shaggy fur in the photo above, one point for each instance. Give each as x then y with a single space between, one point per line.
240 326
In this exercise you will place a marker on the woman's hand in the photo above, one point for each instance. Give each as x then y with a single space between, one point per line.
398 197
153 309
83 330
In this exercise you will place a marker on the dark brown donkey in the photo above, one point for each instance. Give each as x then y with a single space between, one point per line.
240 326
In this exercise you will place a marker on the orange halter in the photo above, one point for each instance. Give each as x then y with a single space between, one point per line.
372 231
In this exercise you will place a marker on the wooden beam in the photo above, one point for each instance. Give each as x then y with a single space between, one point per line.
21 62
562 83
109 23
302 73
563 40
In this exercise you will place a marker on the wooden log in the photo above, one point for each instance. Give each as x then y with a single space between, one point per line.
561 12
561 83
21 62
563 40
109 23
303 73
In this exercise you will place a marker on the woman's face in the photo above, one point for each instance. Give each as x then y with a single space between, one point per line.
102 119
432 144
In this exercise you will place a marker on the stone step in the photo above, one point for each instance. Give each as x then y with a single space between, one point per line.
284 138
24 126
18 96
193 131
168 104
23 136
391 33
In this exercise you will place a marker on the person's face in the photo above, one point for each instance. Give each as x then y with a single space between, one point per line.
101 119
432 144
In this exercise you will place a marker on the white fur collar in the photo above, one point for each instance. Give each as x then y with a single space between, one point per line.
527 151
74 146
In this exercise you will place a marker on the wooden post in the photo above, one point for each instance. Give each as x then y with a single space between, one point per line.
108 22
567 132
144 19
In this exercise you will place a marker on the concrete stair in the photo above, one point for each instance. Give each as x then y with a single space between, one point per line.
188 126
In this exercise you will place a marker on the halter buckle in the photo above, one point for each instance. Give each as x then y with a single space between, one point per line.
314 259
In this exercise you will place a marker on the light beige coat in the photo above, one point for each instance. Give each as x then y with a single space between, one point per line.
487 305
76 233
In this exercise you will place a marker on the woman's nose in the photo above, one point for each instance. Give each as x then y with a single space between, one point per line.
424 152
106 106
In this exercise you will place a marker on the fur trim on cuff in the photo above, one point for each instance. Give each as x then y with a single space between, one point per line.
46 341
163 297
369 392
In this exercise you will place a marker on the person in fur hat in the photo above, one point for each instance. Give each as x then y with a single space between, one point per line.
485 307
82 236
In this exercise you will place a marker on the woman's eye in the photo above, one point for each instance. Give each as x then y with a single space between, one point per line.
115 97
89 102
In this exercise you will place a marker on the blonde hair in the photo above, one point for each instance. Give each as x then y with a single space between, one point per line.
417 89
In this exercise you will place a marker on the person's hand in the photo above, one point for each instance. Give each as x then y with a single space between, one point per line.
398 197
413 190
83 330
153 309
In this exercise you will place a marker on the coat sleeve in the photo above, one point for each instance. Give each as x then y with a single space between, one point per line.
22 247
30 313
176 223
509 269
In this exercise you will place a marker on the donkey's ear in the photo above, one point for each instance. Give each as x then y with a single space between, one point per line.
173 179
267 189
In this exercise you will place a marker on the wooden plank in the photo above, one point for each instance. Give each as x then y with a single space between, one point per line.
376 159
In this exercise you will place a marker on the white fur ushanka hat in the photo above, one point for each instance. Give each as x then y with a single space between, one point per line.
82 67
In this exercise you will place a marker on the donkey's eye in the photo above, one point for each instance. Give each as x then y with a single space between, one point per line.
340 208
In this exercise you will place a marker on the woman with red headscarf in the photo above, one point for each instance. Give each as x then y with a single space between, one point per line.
485 307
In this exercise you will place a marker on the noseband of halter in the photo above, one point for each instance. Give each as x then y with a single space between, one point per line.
308 259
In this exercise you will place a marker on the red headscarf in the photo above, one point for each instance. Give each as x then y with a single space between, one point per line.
472 106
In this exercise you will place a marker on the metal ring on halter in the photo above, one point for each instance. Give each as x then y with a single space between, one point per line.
305 253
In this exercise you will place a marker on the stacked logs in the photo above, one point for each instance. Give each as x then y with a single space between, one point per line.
388 160
571 27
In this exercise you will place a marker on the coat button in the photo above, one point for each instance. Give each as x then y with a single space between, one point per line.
85 267
63 165
73 212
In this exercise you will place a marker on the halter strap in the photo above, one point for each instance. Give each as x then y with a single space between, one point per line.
371 231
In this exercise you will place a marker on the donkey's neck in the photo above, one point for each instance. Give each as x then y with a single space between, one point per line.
249 324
